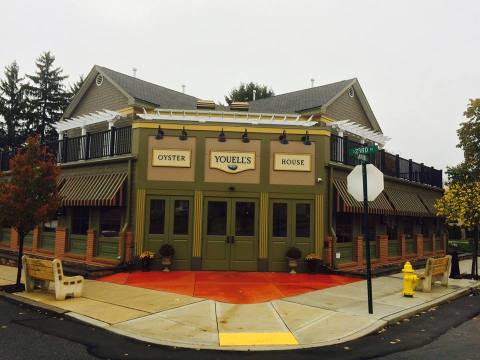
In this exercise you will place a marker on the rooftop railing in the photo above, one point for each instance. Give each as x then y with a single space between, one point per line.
391 165
109 143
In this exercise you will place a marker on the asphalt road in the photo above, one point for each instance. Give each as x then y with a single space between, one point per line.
450 331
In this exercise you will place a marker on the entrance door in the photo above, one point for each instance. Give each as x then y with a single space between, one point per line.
291 224
230 234
169 221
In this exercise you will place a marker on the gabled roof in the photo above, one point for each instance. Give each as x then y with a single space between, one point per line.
300 100
150 93
137 91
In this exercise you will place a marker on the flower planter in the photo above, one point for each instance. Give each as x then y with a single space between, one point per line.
145 264
166 263
292 264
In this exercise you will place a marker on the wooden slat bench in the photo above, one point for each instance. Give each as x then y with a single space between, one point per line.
42 272
435 270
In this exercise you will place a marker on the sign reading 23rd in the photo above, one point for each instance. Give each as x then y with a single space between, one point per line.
232 161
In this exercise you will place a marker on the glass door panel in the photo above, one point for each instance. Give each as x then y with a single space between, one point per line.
244 239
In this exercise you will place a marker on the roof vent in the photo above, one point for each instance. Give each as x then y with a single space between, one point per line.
205 104
351 92
239 106
99 79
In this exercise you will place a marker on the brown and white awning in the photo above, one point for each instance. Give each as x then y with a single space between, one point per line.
406 203
346 202
93 190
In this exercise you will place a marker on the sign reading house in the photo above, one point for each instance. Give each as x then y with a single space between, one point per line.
292 162
171 158
232 161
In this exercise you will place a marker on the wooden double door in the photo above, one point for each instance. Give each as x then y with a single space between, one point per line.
230 234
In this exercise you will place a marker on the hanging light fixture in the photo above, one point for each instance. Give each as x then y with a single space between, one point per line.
306 139
221 136
183 136
245 138
283 138
160 133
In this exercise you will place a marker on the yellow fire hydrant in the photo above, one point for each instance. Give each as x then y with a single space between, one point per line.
409 280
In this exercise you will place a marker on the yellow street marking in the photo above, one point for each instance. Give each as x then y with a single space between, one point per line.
274 338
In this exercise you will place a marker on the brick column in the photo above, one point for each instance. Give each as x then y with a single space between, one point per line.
419 242
61 239
382 246
129 245
13 239
403 247
90 245
434 244
360 247
328 251
35 238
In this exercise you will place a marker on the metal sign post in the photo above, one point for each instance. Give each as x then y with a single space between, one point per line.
367 241
366 192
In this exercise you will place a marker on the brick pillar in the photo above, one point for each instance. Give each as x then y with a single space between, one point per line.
13 239
434 244
90 245
360 247
61 239
328 251
382 246
403 246
419 242
35 238
129 245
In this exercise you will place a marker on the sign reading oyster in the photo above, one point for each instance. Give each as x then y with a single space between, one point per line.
171 158
232 161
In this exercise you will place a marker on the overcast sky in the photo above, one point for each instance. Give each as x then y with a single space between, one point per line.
417 61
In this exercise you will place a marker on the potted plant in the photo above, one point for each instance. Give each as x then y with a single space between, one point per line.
166 252
312 261
146 258
293 254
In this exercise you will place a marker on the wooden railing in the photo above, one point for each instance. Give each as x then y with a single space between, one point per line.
391 165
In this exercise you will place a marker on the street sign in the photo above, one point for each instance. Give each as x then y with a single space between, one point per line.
374 184
364 150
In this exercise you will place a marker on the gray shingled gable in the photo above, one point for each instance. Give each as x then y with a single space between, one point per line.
300 100
154 94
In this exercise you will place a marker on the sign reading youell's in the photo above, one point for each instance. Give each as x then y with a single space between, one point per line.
232 161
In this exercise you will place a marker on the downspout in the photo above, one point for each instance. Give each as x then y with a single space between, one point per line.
330 215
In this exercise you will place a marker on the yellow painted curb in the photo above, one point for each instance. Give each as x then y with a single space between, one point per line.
275 338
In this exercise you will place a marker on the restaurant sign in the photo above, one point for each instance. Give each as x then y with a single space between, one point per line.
292 162
232 161
171 158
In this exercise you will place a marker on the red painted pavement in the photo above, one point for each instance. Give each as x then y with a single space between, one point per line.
230 287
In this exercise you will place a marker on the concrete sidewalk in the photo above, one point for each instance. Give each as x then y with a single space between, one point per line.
317 318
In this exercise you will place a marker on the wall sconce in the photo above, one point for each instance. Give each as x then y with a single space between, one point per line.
306 139
221 136
183 136
245 138
160 133
283 138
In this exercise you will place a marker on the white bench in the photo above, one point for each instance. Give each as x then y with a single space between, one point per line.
40 272
435 270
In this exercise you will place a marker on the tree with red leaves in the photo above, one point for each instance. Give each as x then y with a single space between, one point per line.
29 197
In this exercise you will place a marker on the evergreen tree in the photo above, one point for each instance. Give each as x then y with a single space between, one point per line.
47 95
73 89
245 92
13 105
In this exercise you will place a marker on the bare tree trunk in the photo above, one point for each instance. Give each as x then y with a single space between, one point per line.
21 236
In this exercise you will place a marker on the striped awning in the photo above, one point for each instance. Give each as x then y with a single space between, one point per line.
346 202
406 203
93 190
429 199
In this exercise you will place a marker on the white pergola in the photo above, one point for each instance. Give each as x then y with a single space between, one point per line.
351 127
82 122
229 117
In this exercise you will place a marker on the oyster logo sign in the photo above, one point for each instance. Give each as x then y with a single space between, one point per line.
232 161
171 158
